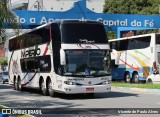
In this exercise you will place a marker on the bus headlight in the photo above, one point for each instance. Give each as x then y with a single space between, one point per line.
106 82
69 83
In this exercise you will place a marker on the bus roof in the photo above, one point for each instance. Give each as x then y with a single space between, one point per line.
58 22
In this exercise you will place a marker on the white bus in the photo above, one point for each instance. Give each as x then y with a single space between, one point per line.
139 56
69 56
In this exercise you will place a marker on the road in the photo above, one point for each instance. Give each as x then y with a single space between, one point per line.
114 99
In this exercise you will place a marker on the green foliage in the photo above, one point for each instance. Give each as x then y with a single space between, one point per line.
7 17
3 61
111 35
146 7
143 7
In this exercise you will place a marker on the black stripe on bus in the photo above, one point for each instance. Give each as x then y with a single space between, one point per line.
10 65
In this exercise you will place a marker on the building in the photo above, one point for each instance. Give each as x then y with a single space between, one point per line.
54 5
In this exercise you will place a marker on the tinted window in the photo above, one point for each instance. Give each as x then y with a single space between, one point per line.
131 44
157 38
83 32
30 39
41 63
139 43
158 55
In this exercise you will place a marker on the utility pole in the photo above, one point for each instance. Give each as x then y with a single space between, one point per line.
40 5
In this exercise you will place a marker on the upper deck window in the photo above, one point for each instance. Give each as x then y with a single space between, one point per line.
83 32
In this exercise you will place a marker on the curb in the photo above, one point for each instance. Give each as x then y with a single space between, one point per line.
140 90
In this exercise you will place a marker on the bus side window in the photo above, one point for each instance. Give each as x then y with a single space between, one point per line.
132 44
44 63
123 44
29 65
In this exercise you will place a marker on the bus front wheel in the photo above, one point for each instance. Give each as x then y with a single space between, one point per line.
42 87
50 89
135 78
127 77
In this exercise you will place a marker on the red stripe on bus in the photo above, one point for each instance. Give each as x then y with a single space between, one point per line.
45 51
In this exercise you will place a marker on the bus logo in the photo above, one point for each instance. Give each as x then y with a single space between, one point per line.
30 53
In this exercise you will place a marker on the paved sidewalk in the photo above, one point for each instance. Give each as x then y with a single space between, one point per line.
136 90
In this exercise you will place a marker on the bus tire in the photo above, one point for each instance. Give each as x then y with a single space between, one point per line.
135 78
19 85
42 87
127 77
16 84
50 88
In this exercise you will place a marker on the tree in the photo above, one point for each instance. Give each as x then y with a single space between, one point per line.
3 63
143 7
6 19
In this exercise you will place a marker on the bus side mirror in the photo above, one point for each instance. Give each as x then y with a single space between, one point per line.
116 57
62 57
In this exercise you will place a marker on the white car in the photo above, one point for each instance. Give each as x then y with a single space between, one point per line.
154 78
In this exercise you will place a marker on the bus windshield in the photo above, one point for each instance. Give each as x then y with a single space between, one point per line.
83 32
87 63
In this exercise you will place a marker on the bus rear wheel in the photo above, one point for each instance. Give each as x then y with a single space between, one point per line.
42 87
149 81
15 84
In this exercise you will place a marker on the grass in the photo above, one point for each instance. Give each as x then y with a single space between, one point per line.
145 86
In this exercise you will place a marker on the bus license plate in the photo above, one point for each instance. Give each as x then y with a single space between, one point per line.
89 89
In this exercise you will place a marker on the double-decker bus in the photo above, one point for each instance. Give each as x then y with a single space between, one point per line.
139 56
68 56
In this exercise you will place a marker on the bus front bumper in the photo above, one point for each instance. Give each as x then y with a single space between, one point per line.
71 89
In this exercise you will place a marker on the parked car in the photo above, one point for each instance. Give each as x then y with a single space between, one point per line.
4 76
154 78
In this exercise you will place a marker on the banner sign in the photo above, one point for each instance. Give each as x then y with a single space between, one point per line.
30 19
